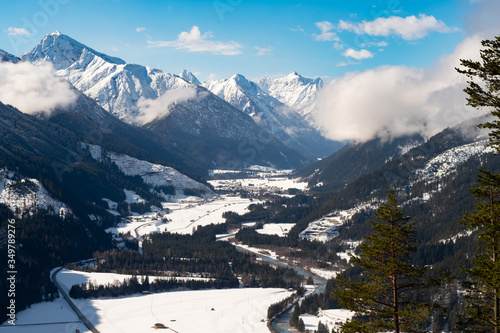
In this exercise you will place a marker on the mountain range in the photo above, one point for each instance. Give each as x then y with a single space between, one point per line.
135 129
163 102
278 118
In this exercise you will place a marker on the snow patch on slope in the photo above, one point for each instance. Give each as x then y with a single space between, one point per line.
326 228
156 175
445 163
28 195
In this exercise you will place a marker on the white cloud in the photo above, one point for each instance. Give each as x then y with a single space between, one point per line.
483 18
358 55
391 101
347 63
194 41
263 50
409 28
34 89
151 109
337 46
379 44
299 28
11 31
326 33
140 29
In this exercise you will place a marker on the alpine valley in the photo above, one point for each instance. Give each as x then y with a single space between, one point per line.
224 191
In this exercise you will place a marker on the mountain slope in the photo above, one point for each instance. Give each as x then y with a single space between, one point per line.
219 135
432 181
61 161
5 56
355 160
293 90
280 120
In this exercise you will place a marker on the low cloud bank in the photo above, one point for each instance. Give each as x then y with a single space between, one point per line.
151 109
391 101
34 89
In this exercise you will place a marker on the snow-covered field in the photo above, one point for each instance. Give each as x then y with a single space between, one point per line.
217 310
185 215
332 318
280 229
279 183
46 317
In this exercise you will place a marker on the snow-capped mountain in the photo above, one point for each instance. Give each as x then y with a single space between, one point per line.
114 84
132 93
189 77
279 119
6 56
294 90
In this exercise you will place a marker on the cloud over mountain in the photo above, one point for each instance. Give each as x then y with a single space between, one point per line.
34 89
390 101
151 109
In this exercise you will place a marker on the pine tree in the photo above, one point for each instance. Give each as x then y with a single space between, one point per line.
383 299
301 326
482 308
322 328
294 320
486 94
483 305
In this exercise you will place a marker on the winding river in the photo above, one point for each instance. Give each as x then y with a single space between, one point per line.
281 324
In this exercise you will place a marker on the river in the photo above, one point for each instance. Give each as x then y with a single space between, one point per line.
281 324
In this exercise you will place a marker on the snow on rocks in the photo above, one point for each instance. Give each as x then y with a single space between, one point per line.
447 162
294 90
28 195
326 228
155 174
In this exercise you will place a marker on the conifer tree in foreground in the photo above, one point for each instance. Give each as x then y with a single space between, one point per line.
483 305
383 299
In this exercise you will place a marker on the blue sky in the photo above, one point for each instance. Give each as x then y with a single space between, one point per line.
218 38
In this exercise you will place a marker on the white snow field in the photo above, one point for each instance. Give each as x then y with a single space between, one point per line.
221 311
185 216
279 229
333 318
46 317
215 310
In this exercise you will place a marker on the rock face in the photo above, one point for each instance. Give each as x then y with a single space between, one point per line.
293 90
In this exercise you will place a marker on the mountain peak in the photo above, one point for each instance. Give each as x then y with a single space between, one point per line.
239 77
62 51
189 77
